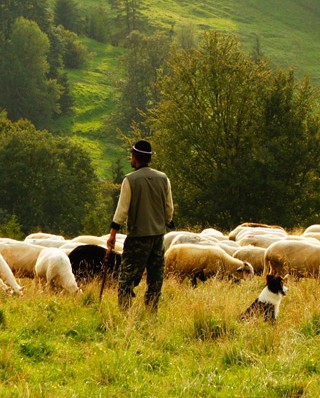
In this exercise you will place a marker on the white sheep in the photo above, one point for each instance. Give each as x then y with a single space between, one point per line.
189 237
169 236
53 265
259 240
214 233
47 242
312 228
8 277
254 228
254 255
20 256
90 240
43 235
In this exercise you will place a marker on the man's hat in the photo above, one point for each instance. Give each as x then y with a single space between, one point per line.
143 147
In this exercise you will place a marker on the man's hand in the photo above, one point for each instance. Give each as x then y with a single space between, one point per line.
112 239
170 225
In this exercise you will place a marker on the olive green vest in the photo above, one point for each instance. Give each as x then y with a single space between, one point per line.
147 212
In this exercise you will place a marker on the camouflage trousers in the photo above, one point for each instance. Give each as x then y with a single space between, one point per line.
140 254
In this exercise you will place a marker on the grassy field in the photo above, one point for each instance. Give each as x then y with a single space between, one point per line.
55 345
93 89
288 33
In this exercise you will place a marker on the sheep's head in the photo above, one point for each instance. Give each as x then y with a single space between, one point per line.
246 269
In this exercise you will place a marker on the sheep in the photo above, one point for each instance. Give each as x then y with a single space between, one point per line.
191 260
307 239
53 265
3 286
225 245
20 256
88 261
259 240
187 237
169 236
312 228
43 235
254 228
253 255
90 240
47 242
298 258
277 233
314 235
8 277
214 233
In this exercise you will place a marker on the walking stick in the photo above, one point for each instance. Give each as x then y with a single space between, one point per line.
106 262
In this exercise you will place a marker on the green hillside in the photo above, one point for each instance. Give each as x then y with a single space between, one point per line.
287 30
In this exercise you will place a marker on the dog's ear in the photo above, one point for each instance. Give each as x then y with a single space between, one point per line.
270 277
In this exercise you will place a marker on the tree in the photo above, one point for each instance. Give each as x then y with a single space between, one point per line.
292 148
217 139
36 10
27 92
128 14
74 53
46 181
145 55
186 37
66 13
10 227
98 25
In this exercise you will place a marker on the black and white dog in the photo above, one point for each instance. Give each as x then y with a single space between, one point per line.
268 302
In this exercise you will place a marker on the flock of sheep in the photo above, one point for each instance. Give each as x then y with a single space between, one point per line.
249 249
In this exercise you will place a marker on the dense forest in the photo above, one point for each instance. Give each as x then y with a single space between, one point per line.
238 137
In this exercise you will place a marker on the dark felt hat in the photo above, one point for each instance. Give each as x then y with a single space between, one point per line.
142 147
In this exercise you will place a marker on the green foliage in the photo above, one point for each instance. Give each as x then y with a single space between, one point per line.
128 14
27 92
35 10
138 92
67 14
99 217
98 25
66 98
75 53
291 148
47 182
10 227
228 158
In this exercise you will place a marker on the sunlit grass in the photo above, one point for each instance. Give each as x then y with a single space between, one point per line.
57 345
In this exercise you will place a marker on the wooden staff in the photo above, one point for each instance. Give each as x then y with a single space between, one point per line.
106 262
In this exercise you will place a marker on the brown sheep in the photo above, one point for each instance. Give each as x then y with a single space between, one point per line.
192 261
298 258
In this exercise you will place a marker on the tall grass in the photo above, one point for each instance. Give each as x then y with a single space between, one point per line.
56 345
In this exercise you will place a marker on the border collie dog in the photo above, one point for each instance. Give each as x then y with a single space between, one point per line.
268 302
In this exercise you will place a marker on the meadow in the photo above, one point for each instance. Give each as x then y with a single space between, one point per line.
57 345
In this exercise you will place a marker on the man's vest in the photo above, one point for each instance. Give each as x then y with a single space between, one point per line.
147 212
